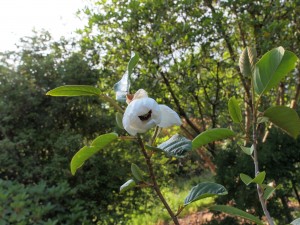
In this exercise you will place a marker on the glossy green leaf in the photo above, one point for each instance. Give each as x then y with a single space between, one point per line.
234 110
87 151
132 63
136 172
258 179
119 119
247 150
74 90
127 186
211 135
271 68
177 146
247 61
236 212
285 118
204 190
296 222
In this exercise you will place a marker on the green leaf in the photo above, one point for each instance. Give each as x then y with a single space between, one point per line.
234 110
132 62
119 118
271 68
136 172
128 185
258 179
247 61
296 222
211 135
262 119
204 190
246 179
247 150
122 87
285 118
87 151
236 212
74 90
177 146
268 191
152 148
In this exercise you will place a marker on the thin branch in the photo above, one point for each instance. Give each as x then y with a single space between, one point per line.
180 109
155 185
260 191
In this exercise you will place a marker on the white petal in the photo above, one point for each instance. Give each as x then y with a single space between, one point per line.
168 117
141 93
139 107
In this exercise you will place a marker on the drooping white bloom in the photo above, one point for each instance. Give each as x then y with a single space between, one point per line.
144 113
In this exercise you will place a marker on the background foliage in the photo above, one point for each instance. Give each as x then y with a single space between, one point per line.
189 60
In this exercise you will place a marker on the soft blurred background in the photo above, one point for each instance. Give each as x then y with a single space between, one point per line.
189 52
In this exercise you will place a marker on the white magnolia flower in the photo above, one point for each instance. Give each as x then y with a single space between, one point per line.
143 113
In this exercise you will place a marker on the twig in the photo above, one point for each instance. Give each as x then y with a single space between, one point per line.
154 182
260 191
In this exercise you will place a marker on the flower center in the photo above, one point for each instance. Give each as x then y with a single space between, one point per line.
145 116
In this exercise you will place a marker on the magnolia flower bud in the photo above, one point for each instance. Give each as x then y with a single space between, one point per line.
144 113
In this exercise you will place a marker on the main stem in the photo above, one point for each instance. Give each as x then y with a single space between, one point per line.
260 191
154 182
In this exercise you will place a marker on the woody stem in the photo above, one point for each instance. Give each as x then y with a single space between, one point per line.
155 185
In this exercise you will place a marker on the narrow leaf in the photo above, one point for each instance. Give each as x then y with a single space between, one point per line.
271 68
234 110
128 185
204 190
211 135
132 63
136 172
247 150
177 146
87 151
247 61
236 212
285 118
74 90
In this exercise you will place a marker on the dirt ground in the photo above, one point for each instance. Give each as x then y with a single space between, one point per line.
197 218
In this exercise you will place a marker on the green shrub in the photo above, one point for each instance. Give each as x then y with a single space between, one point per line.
40 204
